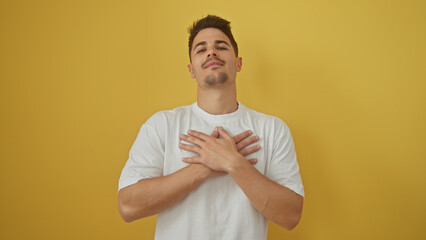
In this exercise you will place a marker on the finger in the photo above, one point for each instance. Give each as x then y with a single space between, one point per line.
252 161
191 148
199 135
249 150
215 133
192 139
192 159
223 133
246 142
238 138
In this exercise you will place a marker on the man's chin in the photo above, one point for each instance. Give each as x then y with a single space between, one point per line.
215 79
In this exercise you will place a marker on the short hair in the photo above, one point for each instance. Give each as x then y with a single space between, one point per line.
211 21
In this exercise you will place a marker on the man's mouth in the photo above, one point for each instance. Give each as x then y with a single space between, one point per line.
213 63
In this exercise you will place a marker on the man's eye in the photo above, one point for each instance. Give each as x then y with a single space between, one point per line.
221 48
201 50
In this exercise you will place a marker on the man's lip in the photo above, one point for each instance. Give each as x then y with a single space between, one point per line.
212 63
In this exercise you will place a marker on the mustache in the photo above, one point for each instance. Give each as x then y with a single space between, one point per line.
211 59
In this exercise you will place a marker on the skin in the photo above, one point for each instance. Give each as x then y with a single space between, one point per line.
220 98
214 66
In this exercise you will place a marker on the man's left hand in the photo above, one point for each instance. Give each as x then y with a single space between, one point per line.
219 154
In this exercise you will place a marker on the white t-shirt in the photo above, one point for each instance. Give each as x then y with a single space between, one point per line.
218 208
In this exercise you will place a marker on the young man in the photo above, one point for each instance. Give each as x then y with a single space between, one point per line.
186 166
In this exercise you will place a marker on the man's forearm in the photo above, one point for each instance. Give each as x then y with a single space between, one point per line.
151 196
277 203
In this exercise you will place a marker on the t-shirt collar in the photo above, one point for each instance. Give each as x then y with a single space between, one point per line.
217 118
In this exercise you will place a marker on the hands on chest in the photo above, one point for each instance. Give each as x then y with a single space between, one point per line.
220 152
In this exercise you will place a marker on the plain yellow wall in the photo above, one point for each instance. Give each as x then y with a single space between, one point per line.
78 78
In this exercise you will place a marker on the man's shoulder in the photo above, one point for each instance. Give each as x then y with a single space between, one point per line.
265 117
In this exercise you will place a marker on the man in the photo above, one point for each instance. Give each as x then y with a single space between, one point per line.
186 166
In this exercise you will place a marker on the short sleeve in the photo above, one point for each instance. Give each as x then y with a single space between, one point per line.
283 168
146 156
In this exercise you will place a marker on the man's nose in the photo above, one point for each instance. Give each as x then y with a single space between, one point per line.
212 53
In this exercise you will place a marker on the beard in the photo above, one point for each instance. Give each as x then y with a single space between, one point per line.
216 79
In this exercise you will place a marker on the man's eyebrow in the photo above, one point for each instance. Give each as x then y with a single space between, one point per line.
200 44
203 43
221 41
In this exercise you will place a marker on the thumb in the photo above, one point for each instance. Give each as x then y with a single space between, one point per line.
215 133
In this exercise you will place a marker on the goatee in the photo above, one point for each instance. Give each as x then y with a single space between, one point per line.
216 79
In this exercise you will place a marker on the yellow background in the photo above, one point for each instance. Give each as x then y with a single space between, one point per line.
78 78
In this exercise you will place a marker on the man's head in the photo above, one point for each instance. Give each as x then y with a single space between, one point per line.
211 21
213 53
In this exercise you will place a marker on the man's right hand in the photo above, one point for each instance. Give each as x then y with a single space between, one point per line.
241 140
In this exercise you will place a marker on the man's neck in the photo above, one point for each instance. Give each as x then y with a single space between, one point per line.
217 101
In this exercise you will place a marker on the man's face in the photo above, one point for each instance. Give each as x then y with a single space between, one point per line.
213 59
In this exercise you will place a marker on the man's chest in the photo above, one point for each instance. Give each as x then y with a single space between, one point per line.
173 154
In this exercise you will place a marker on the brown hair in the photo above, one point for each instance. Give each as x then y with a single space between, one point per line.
211 21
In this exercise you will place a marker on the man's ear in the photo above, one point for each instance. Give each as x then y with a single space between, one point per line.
239 63
190 70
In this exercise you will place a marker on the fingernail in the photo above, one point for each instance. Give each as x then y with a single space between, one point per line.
250 132
189 131
215 129
255 160
257 137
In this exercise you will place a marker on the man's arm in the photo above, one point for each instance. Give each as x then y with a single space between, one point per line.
275 202
151 196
